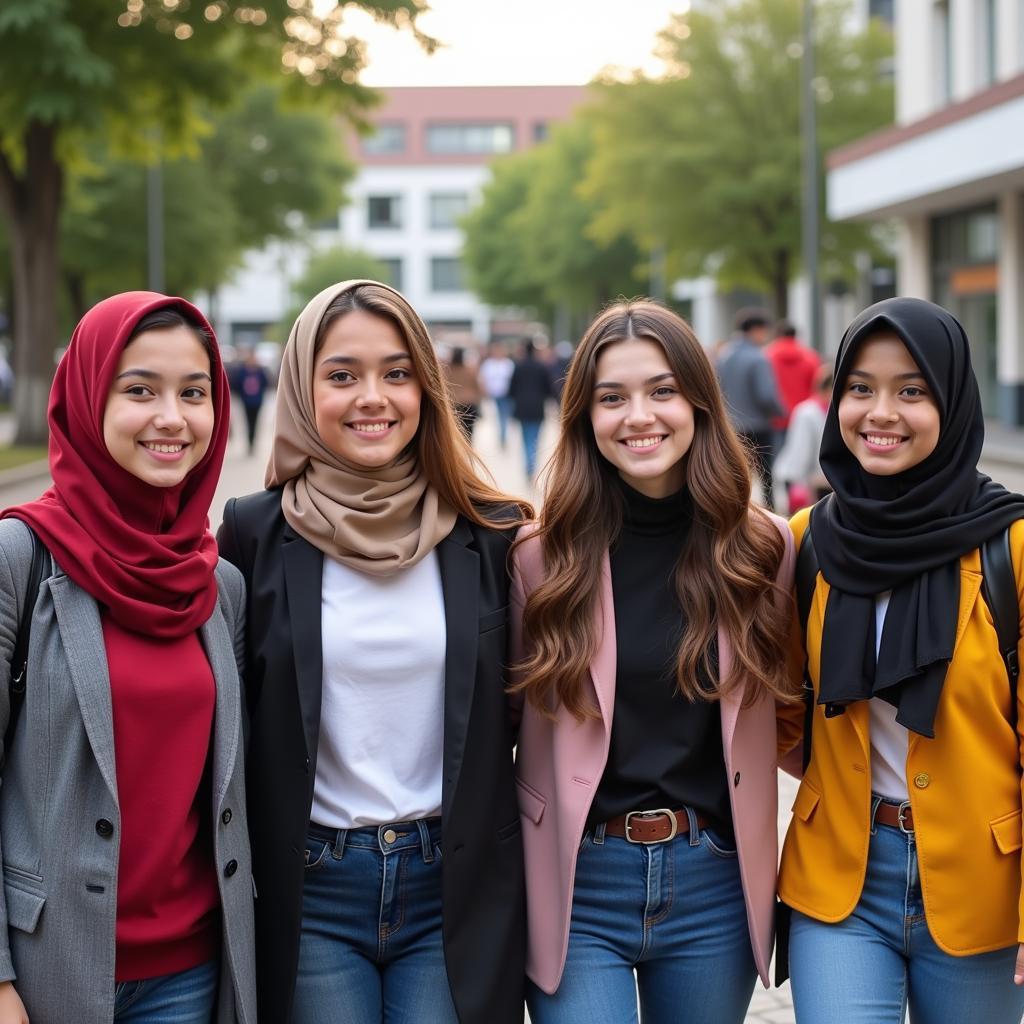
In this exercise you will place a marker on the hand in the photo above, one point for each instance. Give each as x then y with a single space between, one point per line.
12 1009
1018 967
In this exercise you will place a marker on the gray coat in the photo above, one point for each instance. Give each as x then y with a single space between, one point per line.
748 386
59 900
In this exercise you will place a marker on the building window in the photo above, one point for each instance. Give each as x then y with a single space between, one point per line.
540 131
392 270
446 208
469 139
388 138
384 211
446 274
986 42
882 9
942 50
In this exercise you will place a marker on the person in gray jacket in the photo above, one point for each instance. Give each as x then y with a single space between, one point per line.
750 391
127 887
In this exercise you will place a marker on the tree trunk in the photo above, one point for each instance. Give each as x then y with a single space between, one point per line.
31 203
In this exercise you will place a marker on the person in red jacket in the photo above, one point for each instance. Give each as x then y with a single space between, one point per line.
795 367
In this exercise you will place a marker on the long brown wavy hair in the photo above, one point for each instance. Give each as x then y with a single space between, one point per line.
726 569
443 450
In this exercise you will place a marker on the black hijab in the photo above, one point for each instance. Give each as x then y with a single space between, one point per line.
904 533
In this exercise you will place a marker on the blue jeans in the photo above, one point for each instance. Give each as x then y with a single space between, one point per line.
531 439
668 920
188 997
504 408
371 947
867 968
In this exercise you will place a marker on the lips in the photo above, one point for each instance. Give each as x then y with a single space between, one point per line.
647 441
370 428
883 441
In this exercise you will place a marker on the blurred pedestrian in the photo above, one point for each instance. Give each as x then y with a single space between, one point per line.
751 394
387 848
250 383
647 557
796 466
495 375
127 893
465 389
902 863
529 389
561 357
795 367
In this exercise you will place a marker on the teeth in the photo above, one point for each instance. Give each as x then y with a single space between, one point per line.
643 442
887 442
165 449
370 428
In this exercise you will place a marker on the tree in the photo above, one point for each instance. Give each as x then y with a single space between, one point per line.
329 267
75 70
528 243
262 164
705 161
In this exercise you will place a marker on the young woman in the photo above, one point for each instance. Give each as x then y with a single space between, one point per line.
386 836
127 886
902 863
650 614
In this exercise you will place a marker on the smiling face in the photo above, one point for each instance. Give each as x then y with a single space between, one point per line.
642 423
888 417
366 396
159 416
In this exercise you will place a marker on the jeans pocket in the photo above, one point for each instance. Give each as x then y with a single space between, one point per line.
316 853
719 846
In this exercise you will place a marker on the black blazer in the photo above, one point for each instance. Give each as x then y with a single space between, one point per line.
483 894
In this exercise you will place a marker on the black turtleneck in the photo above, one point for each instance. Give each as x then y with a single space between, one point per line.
666 751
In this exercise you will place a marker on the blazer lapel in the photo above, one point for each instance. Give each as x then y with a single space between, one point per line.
81 632
730 702
460 581
602 665
303 574
217 642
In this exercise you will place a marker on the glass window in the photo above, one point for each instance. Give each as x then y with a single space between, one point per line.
446 274
942 51
462 139
389 137
393 270
384 211
540 131
446 208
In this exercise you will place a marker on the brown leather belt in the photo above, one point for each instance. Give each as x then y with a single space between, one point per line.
899 816
657 826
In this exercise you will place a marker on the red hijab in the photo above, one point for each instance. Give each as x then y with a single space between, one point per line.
146 553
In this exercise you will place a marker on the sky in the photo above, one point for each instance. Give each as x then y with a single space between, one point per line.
518 42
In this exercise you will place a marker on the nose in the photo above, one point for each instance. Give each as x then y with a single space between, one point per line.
169 416
639 414
370 396
883 410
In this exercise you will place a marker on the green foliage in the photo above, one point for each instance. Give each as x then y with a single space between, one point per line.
329 267
707 160
526 242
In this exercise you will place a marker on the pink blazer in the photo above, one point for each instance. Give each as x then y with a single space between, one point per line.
559 764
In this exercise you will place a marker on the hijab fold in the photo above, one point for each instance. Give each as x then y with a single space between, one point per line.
145 553
905 533
378 520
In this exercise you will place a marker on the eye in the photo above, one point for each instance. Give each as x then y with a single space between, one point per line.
914 391
138 391
665 391
609 399
398 373
340 376
194 393
857 388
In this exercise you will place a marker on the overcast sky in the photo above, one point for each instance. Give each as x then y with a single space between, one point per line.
518 42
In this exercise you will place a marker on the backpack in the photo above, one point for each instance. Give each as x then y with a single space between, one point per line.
999 589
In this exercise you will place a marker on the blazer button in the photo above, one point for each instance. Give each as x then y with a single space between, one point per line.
230 868
226 816
736 779
922 780
104 828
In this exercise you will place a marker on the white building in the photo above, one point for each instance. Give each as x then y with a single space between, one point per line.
950 173
420 172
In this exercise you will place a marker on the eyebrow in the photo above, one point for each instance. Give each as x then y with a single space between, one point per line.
152 375
650 380
352 361
915 375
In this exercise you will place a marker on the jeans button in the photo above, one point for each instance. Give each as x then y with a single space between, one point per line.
390 836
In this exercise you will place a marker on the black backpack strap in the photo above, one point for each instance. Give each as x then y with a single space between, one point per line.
19 657
1000 592
806 579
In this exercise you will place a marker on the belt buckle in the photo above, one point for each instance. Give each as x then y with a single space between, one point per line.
650 842
904 807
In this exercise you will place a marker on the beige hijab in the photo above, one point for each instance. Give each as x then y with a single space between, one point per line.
379 520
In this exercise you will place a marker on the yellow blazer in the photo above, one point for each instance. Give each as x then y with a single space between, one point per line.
964 786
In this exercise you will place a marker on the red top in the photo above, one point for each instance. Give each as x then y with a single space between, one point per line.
795 366
168 907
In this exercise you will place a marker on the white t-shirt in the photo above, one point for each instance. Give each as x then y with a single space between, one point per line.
889 739
495 374
382 709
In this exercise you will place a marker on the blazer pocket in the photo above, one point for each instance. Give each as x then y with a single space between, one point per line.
1006 831
23 907
807 798
499 617
531 803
